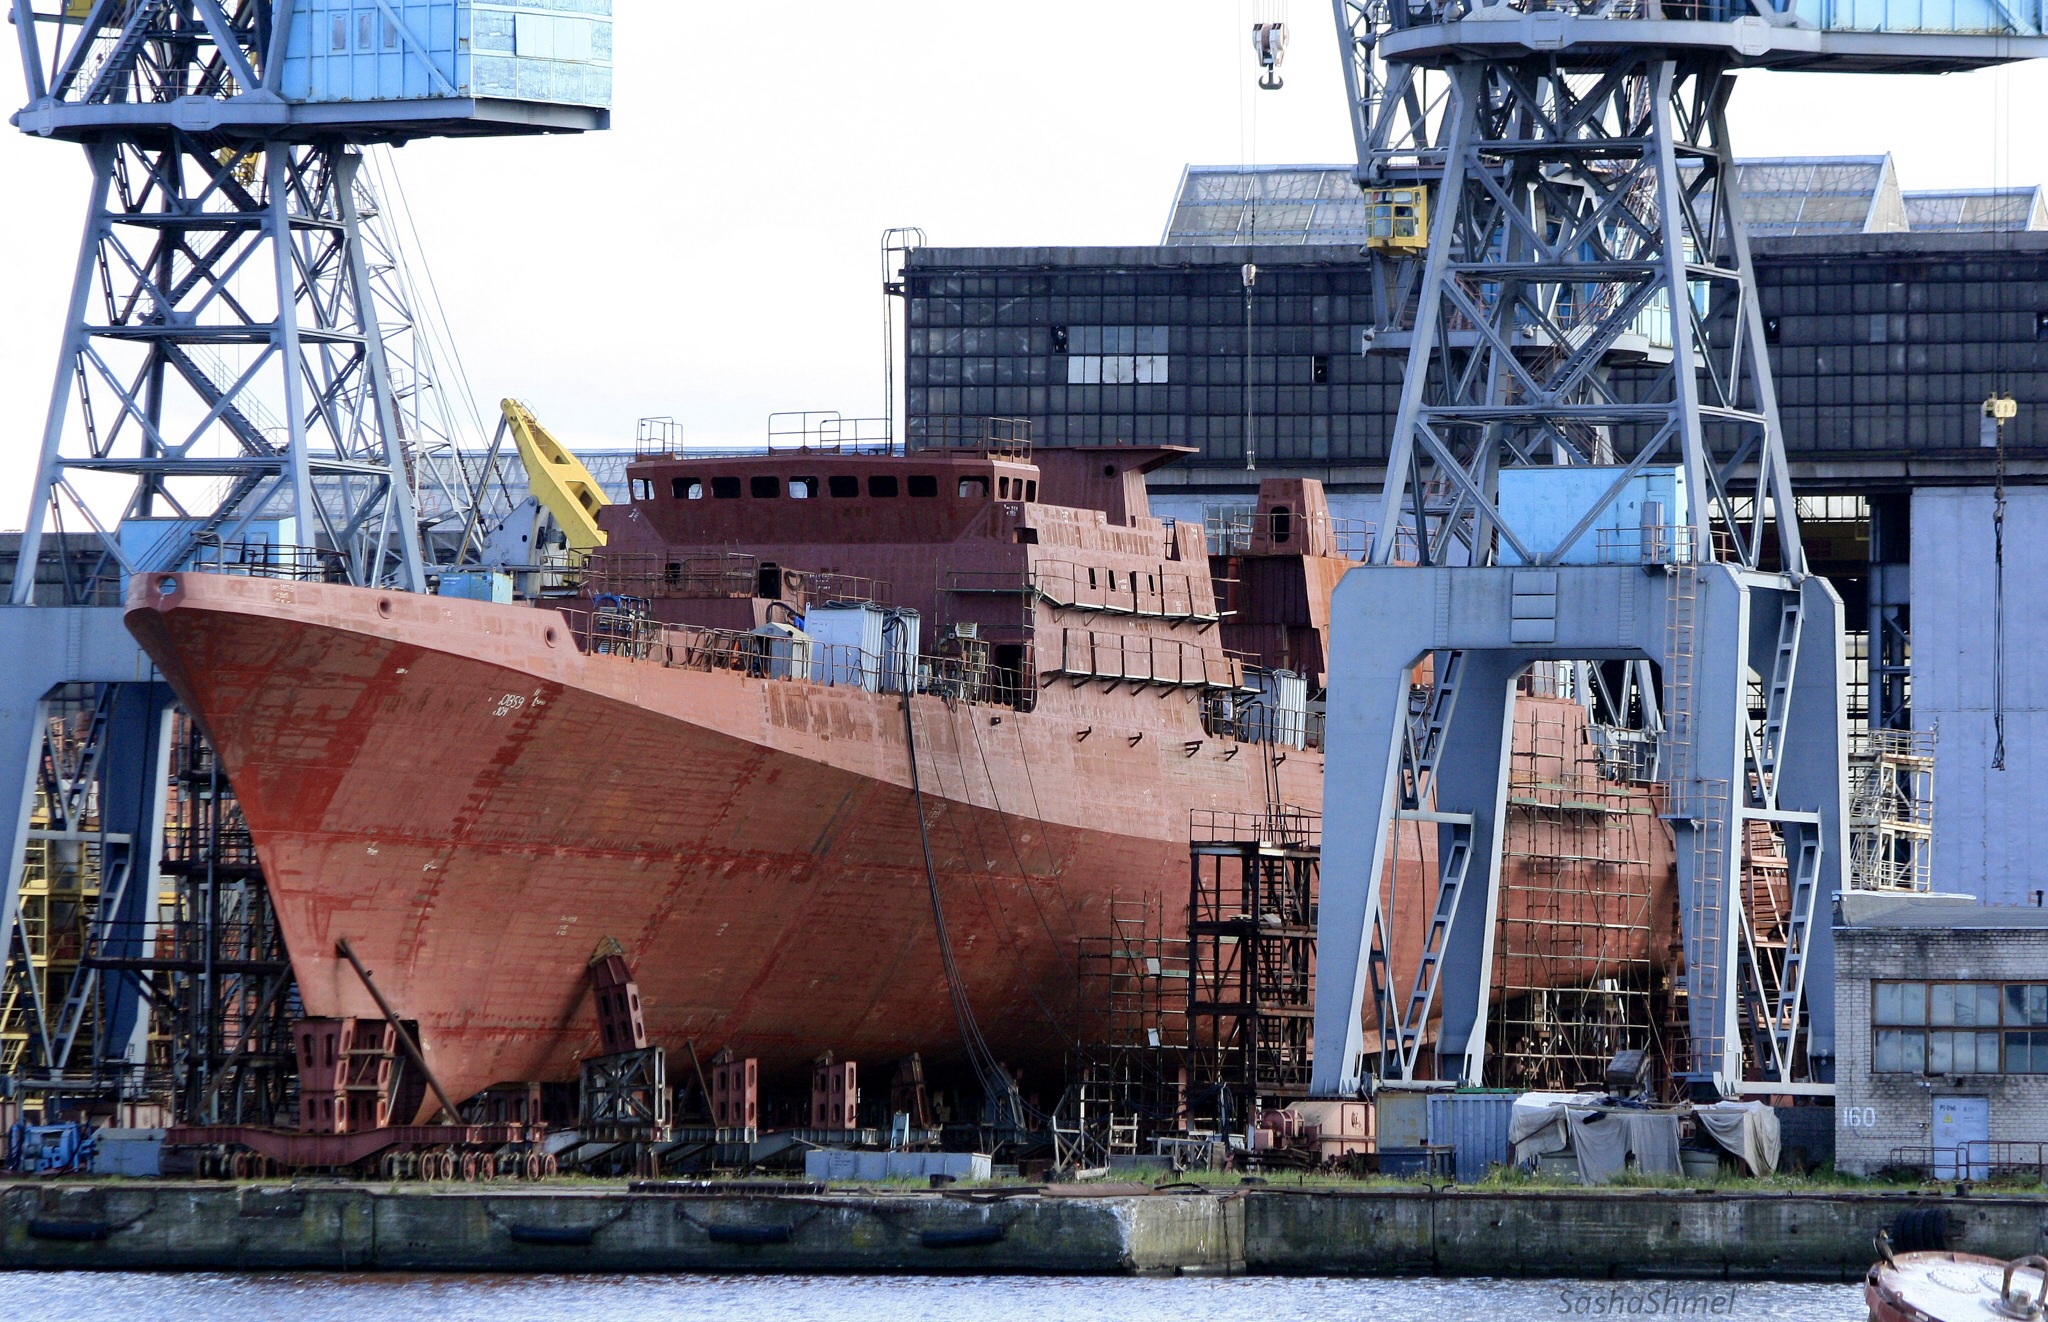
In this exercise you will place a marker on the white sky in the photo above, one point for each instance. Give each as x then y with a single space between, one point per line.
714 257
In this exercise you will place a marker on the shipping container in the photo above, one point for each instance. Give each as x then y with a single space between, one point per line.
1475 1123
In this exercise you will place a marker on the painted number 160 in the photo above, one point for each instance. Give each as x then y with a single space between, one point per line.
1860 1117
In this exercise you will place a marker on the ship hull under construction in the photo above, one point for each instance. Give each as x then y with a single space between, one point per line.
474 803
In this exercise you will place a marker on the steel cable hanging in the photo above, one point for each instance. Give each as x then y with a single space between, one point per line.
998 1088
993 910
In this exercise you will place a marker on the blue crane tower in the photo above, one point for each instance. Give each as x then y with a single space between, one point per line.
1550 194
225 393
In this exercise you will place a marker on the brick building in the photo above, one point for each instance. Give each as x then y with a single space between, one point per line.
1941 1035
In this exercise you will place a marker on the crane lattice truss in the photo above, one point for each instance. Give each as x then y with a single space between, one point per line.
242 367
1573 164
1572 204
222 353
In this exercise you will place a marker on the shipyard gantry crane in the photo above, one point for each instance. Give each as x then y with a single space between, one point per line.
1587 455
229 387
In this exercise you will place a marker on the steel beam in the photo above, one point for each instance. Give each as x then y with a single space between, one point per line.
1390 617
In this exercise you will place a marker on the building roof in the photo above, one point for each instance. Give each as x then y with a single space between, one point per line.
1783 196
1933 912
1821 195
1268 204
1978 210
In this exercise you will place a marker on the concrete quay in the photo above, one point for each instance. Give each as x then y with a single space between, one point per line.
333 1226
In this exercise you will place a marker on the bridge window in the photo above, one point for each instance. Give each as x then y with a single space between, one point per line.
882 486
803 488
842 486
682 488
923 484
1003 487
643 489
725 488
764 488
1283 524
974 488
1031 490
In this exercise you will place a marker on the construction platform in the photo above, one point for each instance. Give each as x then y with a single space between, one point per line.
1099 1229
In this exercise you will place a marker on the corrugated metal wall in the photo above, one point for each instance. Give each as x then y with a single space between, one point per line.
1476 1123
1990 834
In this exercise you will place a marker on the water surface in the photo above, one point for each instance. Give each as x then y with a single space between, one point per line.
313 1297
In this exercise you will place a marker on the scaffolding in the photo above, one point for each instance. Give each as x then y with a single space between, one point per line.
1251 957
42 1025
1130 1074
1573 963
221 981
1891 810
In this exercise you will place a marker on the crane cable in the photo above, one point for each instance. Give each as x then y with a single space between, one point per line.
1999 408
997 1086
1998 607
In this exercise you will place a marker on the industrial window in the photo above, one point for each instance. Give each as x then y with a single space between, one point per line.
764 488
1117 369
643 489
842 486
682 488
725 488
337 37
974 488
1319 369
1031 490
390 35
923 484
882 486
1959 1028
366 27
1003 487
803 488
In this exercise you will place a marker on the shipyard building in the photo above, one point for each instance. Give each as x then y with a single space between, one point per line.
1891 314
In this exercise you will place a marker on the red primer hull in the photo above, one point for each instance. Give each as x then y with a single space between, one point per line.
475 807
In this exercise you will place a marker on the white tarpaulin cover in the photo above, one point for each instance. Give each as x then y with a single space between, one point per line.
1602 1138
1747 1129
1537 1124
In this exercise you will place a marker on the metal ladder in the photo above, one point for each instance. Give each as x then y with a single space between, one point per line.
1703 953
1451 884
1424 741
1783 668
1803 883
1681 589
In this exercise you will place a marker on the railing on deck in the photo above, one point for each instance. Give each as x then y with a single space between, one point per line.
962 675
1299 827
734 574
308 564
998 438
827 430
1284 532
1659 544
770 655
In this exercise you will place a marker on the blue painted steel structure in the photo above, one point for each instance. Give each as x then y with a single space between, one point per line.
223 378
1580 180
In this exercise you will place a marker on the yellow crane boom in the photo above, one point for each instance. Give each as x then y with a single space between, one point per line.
559 481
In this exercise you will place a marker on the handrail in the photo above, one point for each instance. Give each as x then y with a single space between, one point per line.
1284 825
